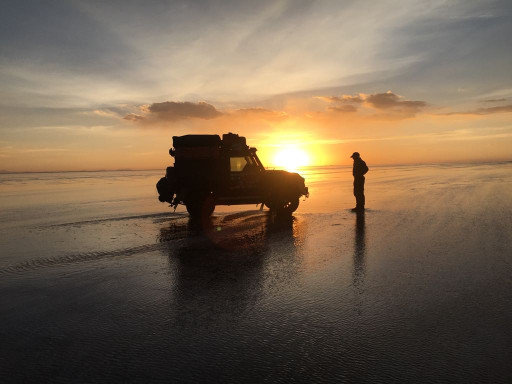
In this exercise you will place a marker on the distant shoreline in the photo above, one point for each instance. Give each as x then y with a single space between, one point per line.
5 172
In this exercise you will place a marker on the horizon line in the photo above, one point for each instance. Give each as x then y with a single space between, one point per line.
6 172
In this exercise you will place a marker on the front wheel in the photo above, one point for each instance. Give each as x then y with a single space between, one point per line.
283 208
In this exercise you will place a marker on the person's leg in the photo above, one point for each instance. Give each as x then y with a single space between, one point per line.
356 192
362 194
359 193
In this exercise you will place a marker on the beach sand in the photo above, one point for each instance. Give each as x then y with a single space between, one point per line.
101 282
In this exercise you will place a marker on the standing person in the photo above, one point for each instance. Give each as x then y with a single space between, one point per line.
359 170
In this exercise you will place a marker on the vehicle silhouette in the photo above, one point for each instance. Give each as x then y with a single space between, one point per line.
210 171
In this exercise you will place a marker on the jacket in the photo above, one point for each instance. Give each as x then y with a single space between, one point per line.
360 168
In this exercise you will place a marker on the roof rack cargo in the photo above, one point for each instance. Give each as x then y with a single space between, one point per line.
196 141
234 142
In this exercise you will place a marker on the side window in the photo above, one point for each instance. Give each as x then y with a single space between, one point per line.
237 164
254 162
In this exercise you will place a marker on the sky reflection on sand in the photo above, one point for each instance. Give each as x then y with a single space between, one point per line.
100 280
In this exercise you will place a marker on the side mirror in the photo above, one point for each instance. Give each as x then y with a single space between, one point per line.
172 152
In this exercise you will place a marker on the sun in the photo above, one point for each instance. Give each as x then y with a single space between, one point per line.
291 158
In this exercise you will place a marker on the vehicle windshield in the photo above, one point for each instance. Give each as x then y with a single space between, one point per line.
237 164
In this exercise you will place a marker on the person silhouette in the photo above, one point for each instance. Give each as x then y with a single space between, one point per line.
358 171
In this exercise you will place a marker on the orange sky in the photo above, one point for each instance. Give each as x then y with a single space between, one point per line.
105 86
326 137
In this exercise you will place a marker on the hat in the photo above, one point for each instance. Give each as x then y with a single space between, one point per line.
355 155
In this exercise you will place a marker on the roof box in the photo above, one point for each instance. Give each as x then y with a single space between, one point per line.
196 141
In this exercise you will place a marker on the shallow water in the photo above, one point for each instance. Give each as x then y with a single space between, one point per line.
100 281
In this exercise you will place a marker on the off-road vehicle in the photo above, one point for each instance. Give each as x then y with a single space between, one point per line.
210 171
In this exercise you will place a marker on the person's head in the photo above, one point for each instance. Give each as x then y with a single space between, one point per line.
355 155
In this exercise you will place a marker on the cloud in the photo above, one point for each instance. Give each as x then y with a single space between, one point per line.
484 111
171 111
343 108
354 99
343 98
491 110
493 100
134 117
105 113
388 102
394 106
114 111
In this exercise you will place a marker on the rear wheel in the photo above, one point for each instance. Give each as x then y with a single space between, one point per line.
202 207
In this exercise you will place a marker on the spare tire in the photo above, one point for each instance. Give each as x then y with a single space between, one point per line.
165 191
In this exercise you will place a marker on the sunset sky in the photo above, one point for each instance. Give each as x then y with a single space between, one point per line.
91 85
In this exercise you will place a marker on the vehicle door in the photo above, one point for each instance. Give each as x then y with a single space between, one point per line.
244 175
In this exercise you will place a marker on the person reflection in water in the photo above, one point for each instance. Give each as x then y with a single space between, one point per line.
359 170
359 251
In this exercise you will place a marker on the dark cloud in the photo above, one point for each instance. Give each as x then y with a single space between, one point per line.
389 100
172 110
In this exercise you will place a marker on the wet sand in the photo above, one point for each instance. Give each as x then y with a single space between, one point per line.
101 282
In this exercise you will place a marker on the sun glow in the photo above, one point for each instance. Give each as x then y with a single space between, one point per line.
291 158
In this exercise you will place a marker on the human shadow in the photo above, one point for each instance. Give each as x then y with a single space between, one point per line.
359 251
220 266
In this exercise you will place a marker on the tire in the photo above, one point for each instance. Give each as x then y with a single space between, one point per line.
201 207
165 192
283 208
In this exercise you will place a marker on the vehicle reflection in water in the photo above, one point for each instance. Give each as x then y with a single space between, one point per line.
221 267
359 251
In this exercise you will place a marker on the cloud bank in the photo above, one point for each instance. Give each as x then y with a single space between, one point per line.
362 106
484 111
169 112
